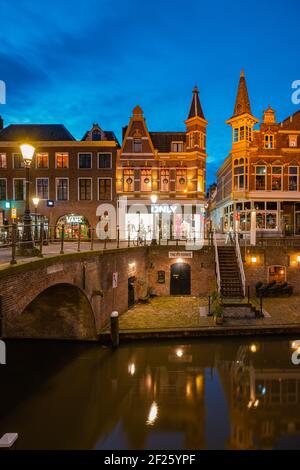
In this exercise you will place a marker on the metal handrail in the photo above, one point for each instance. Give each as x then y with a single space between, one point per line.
240 263
217 262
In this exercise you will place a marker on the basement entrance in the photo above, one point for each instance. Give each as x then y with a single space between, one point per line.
180 279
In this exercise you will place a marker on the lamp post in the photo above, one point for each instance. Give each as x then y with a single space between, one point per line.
153 198
27 242
35 201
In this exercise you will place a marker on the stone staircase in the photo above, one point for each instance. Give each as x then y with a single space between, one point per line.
231 284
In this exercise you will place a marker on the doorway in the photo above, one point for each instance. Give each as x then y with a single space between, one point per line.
180 279
131 291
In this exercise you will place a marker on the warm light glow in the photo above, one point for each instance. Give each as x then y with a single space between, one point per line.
249 404
35 201
298 259
295 344
153 413
281 271
27 151
153 198
179 352
253 348
131 368
179 260
253 259
256 403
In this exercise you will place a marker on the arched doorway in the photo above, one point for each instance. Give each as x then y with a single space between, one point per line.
71 223
180 281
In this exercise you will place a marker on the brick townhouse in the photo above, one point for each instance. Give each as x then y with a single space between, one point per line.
70 177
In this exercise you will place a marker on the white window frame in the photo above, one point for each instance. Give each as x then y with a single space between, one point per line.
98 189
36 161
281 177
104 153
56 185
4 179
78 188
36 187
4 167
24 189
293 174
13 162
261 174
266 147
64 168
177 142
85 153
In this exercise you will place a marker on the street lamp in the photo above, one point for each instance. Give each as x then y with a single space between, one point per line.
153 198
27 244
35 201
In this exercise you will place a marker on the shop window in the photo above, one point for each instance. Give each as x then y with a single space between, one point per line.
260 178
84 160
42 160
104 161
71 224
164 180
269 141
277 273
18 161
62 160
293 140
293 178
62 189
137 145
128 180
245 221
3 160
276 179
146 180
3 189
260 205
42 188
181 179
105 189
271 206
19 189
247 205
85 189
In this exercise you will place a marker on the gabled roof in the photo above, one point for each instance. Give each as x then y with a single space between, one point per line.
35 132
162 140
102 135
196 108
242 102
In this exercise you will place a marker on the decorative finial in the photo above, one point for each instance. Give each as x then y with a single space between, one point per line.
242 73
195 89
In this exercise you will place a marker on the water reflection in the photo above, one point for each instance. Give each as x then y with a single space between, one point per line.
196 395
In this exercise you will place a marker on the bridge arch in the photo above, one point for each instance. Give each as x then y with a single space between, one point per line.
60 311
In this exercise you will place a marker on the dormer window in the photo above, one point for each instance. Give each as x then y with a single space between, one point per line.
96 135
137 145
293 140
242 133
269 141
177 147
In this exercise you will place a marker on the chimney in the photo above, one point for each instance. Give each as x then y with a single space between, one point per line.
1 123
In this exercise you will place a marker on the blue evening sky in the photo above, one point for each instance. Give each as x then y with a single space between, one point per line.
91 61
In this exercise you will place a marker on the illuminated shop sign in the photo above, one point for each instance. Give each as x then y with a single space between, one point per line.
180 254
74 219
163 209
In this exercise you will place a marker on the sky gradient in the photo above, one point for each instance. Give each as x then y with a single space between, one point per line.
82 62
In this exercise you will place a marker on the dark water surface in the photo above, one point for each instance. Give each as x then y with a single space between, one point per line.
202 394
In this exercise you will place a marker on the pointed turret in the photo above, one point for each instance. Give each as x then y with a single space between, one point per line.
196 108
242 102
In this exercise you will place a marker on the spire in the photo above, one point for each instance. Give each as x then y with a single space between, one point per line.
196 109
242 102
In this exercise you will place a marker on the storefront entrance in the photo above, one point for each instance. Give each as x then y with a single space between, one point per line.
71 224
180 279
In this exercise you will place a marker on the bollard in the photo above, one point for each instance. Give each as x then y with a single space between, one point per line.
128 241
209 305
62 237
118 237
41 239
114 329
13 244
79 238
92 239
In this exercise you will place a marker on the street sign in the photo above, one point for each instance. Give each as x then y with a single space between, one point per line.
7 204
14 213
50 203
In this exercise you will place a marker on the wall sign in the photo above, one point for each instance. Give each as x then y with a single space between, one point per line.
73 219
115 280
180 254
161 277
163 209
13 213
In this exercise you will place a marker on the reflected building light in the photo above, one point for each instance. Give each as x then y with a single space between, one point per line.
256 403
149 381
295 344
249 404
253 348
179 352
179 260
263 391
188 389
153 414
199 384
131 368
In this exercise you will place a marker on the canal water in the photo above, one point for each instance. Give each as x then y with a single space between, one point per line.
202 394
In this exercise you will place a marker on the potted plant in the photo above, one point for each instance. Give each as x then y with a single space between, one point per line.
217 310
